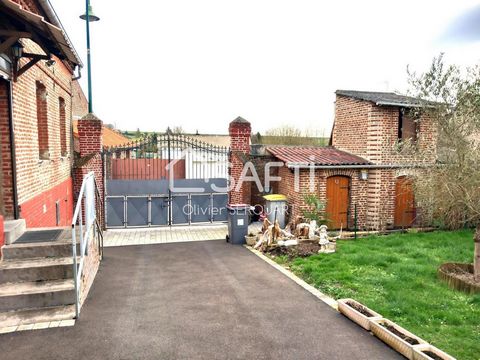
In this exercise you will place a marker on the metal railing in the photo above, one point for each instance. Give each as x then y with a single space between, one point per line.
85 226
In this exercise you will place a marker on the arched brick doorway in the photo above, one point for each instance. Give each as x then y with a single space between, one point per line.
338 201
404 202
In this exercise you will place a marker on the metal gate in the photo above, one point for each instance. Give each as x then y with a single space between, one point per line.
166 179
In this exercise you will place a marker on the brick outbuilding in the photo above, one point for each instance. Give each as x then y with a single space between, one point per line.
366 167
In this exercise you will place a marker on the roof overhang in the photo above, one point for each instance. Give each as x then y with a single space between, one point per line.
51 38
404 105
292 165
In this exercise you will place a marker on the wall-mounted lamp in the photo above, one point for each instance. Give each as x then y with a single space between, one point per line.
17 50
364 174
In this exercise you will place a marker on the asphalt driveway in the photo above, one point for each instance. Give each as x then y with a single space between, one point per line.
201 300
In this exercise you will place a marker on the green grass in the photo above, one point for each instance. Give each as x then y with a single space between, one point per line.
396 275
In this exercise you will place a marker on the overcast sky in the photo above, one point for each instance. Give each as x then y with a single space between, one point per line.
199 64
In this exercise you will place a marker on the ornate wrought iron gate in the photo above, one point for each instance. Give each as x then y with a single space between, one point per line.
166 179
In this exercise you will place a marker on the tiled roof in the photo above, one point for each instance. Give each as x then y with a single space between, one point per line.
384 98
109 136
326 156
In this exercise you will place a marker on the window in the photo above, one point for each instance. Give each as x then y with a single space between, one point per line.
62 127
407 126
42 122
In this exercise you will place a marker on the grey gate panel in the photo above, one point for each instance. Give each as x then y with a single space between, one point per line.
115 212
219 210
137 211
201 208
165 179
180 209
159 210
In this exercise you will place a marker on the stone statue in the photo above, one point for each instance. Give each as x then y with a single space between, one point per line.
327 243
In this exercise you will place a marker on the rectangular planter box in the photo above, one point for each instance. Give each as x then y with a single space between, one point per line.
393 340
356 316
419 355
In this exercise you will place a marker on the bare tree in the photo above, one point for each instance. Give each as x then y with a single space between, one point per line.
285 131
289 135
449 193
177 130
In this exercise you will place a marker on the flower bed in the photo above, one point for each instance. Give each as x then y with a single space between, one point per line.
397 337
357 312
429 352
459 276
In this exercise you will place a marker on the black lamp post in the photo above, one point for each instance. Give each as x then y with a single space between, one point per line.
89 17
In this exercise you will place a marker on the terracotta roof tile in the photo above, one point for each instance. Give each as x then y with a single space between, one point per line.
326 156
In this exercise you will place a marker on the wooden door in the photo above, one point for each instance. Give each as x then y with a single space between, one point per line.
404 202
338 200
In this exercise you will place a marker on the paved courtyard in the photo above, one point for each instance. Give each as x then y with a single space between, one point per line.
198 300
163 235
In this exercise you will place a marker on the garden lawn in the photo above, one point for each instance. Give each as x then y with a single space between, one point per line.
396 275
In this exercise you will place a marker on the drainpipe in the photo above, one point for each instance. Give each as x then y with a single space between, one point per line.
16 215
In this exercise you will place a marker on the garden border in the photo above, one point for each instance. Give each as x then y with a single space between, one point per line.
312 290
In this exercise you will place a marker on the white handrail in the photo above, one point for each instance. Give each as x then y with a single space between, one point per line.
84 210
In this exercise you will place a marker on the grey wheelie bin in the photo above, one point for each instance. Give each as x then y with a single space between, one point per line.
237 223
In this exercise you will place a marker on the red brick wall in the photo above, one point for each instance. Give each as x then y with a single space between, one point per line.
35 176
90 142
239 131
351 125
6 185
79 102
371 131
40 211
296 200
365 129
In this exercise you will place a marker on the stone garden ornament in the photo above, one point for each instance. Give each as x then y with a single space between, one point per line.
327 243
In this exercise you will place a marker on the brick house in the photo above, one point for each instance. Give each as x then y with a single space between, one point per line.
38 98
364 167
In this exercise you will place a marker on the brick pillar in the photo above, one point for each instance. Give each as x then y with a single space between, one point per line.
90 147
239 130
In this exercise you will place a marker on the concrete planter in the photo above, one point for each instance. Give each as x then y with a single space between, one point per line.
355 315
395 341
418 353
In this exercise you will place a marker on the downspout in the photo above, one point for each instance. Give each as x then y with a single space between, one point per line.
16 214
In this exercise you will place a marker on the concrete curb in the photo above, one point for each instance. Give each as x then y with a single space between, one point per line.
315 292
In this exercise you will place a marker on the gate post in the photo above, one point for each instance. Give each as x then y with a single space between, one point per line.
239 131
90 143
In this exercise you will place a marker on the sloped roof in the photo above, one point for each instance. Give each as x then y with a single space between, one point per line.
326 156
384 98
109 137
59 42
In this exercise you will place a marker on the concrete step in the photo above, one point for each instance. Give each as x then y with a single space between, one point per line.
39 269
38 250
34 316
14 229
27 295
